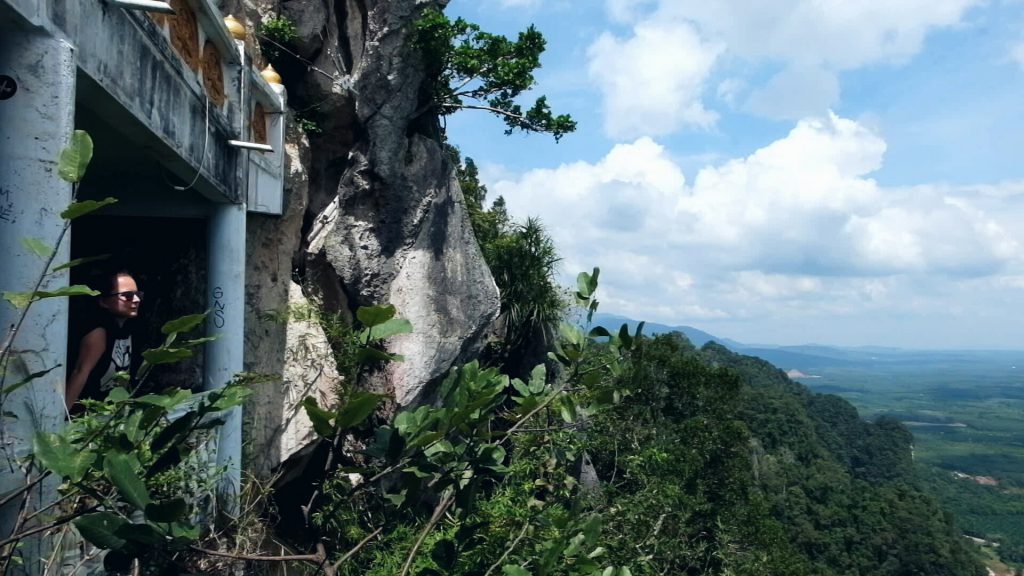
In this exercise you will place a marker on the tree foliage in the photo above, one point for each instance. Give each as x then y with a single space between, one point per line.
467 68
522 258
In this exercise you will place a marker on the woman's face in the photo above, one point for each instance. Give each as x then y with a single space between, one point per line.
123 301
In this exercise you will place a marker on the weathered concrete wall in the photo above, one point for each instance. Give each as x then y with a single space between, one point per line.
31 199
125 53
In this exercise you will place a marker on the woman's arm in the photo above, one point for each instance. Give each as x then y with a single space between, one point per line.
91 348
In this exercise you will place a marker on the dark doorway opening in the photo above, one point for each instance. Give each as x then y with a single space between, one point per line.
167 258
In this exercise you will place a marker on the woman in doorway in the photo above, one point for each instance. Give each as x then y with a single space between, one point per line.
103 343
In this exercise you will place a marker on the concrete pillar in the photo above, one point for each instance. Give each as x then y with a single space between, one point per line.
223 359
37 105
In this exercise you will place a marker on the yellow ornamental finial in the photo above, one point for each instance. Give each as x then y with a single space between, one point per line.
271 75
236 28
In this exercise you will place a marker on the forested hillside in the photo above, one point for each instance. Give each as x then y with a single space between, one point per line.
724 464
709 463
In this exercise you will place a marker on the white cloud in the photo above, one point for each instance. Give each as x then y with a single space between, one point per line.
626 11
652 82
796 92
838 33
1017 54
798 227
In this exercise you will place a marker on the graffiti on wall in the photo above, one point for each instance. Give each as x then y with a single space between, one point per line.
6 206
8 87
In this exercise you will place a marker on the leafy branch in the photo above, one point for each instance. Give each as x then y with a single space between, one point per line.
464 63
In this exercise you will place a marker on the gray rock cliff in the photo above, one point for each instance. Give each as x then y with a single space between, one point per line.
374 213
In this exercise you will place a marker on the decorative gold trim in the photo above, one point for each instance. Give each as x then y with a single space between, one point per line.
236 28
271 75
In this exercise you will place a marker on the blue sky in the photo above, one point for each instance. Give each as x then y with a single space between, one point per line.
783 171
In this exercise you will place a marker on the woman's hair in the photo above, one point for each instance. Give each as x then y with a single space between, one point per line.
104 280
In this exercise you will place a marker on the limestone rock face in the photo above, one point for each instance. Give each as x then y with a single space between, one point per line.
400 232
282 340
373 215
281 428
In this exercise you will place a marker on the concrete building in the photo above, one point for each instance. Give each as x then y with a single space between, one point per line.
173 103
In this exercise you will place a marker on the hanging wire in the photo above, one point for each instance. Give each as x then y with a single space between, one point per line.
206 143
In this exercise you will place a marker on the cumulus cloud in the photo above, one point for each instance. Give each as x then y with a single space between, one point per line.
652 81
626 11
777 229
843 35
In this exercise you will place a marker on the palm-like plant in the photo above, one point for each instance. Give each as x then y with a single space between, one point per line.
523 261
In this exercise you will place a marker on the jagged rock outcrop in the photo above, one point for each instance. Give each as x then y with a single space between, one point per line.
396 229
282 338
374 212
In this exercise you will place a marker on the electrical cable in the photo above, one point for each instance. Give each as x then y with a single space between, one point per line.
206 143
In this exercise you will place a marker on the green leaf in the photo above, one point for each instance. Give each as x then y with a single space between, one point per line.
169 399
74 159
166 511
583 286
144 534
390 328
37 247
18 299
372 316
567 409
184 530
99 528
492 456
59 456
514 570
80 261
73 290
173 434
22 299
198 341
118 394
183 324
120 468
320 418
371 355
358 408
166 355
79 209
227 397
33 376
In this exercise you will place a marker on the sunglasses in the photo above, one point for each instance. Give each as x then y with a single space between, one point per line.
127 295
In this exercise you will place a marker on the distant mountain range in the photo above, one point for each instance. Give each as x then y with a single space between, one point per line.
810 357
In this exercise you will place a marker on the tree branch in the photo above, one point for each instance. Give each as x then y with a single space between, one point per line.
314 558
348 555
509 550
439 511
